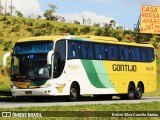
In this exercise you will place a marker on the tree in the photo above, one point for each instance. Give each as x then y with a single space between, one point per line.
39 17
108 28
142 37
84 21
107 31
11 7
1 7
61 18
120 28
48 14
53 7
112 24
5 7
99 32
76 22
96 24
19 14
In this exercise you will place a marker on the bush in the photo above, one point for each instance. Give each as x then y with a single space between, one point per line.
7 45
3 18
7 22
73 31
1 41
64 29
14 21
99 32
43 28
157 39
44 25
1 34
15 29
29 29
155 44
143 38
38 32
29 22
85 30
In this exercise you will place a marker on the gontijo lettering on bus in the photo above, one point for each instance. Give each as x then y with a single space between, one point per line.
122 67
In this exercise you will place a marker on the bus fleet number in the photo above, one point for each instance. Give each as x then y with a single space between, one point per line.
150 68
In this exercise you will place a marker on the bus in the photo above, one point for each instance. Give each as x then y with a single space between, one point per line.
72 66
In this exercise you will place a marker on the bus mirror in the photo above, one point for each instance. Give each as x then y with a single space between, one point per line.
4 59
49 57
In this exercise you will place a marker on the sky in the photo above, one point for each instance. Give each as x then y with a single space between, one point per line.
125 12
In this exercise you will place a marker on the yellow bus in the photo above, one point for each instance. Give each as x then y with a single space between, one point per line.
72 66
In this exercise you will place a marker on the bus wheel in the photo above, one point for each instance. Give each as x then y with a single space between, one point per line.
74 93
139 91
131 93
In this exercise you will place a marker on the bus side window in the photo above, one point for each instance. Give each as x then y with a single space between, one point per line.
135 54
100 51
113 52
74 50
87 51
126 53
144 54
150 54
110 52
122 55
97 52
77 50
106 52
70 50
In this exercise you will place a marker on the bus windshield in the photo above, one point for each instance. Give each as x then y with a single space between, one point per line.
29 60
33 47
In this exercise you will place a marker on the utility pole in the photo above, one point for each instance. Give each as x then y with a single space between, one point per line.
0 7
11 7
5 7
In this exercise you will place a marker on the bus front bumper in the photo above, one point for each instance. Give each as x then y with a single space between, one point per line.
32 92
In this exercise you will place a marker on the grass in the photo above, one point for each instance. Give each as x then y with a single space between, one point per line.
154 106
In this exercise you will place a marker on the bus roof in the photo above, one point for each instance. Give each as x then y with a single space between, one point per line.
93 38
41 38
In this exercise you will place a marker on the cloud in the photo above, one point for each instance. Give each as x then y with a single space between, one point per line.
27 7
142 2
98 1
90 18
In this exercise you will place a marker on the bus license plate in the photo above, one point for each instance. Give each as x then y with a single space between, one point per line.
28 92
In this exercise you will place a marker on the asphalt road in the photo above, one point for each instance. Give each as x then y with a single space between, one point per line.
60 101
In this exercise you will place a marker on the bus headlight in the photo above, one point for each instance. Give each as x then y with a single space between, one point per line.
14 87
45 86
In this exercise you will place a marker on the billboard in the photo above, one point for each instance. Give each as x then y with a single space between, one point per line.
150 19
